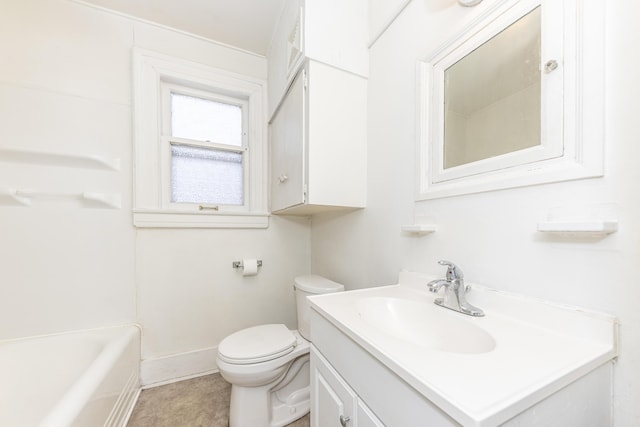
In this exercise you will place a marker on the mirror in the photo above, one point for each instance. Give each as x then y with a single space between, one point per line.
492 96
515 98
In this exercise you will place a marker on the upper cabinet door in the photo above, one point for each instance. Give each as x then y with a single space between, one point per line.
288 149
318 143
334 32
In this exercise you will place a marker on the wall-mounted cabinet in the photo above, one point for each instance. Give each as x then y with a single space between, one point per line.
334 32
495 112
318 142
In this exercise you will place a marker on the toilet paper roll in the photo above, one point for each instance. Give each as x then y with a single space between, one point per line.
249 267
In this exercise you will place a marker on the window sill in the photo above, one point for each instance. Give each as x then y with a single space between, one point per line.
144 218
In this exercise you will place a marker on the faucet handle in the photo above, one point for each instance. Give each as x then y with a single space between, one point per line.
453 271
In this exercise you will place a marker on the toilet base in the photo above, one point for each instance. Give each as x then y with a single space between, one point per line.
276 404
296 406
249 408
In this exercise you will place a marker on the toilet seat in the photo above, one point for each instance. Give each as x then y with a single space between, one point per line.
257 344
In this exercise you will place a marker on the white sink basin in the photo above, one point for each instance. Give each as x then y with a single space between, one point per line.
425 325
481 371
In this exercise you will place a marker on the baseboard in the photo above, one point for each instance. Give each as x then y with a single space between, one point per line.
177 367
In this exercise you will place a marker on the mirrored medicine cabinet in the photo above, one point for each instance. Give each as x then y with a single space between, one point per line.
515 99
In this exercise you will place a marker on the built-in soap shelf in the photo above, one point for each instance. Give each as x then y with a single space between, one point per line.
579 227
11 197
59 159
418 229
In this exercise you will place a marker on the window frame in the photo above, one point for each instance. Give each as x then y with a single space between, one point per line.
155 76
167 140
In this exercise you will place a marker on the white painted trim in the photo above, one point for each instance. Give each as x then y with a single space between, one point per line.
168 369
169 219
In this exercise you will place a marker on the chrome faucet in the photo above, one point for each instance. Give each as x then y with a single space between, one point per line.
454 291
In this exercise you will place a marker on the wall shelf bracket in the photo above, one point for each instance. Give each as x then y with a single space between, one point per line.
586 227
11 197
88 161
419 229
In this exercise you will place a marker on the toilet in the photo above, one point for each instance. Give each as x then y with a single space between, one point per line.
268 365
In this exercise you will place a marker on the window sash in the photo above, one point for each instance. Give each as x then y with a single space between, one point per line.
167 140
210 95
214 121
197 179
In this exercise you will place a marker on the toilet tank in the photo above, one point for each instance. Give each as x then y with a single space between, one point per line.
306 286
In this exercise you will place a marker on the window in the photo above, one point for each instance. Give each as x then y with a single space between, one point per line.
200 147
207 136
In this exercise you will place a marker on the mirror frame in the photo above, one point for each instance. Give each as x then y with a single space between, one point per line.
572 102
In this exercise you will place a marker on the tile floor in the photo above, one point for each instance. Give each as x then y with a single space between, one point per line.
198 402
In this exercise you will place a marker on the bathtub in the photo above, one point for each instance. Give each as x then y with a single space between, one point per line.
80 379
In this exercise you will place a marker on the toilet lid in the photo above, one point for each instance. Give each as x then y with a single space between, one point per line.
257 344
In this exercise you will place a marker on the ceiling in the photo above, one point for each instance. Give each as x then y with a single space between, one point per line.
246 24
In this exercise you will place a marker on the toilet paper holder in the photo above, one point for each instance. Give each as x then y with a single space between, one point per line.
238 264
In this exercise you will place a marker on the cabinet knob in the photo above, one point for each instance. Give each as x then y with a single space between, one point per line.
550 66
282 178
344 420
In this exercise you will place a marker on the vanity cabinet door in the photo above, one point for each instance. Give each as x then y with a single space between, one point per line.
333 403
366 418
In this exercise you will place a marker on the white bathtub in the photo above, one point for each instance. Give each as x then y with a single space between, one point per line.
80 379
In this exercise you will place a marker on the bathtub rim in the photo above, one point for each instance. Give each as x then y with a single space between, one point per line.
115 341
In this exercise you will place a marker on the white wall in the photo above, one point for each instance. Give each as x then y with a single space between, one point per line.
65 85
492 235
189 296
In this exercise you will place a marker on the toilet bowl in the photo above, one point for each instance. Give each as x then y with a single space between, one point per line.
268 365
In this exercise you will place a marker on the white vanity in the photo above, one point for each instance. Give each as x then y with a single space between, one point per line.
389 356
